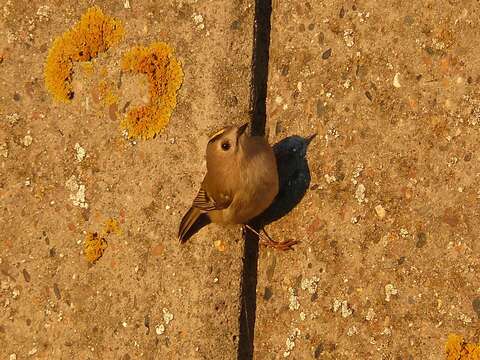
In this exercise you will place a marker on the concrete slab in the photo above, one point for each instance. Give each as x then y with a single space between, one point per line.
56 306
387 265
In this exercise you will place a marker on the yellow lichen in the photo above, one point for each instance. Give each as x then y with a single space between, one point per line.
107 94
93 34
111 226
94 247
457 349
165 77
95 244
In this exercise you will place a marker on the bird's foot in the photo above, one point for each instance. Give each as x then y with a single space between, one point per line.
267 241
283 246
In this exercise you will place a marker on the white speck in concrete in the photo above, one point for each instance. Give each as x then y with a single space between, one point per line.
293 300
343 306
404 232
13 118
302 316
167 316
352 330
370 314
290 342
381 212
77 190
27 140
198 20
348 37
389 291
396 80
360 193
80 152
160 329
310 285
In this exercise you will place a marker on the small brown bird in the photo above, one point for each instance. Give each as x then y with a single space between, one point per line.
241 182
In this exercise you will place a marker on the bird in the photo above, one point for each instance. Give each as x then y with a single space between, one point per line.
241 182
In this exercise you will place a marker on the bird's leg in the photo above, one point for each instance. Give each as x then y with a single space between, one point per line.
268 241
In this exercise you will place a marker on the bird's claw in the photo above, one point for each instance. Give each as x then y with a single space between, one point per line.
283 246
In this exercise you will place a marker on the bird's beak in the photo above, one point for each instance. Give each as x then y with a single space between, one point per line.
242 129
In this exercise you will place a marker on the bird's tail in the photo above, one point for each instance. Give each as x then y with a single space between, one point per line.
191 222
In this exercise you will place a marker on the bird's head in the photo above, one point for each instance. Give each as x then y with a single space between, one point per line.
226 144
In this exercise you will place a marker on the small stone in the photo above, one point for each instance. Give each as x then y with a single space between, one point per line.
293 300
396 80
267 294
330 178
198 20
160 329
167 316
302 316
310 284
27 140
326 54
80 155
370 314
343 306
13 118
348 37
12 357
389 291
33 351
360 193
380 211
126 4
352 330
124 324
26 275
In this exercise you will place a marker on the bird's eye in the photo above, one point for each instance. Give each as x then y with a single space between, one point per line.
226 145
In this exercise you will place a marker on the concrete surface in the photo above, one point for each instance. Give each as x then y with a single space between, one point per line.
388 261
112 310
388 264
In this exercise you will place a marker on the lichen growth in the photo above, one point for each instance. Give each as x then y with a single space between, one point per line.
106 92
165 77
93 34
457 349
111 226
95 244
94 247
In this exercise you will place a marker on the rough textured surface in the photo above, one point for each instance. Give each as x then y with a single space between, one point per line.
54 305
388 264
388 226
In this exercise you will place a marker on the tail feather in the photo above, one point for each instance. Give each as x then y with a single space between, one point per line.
191 222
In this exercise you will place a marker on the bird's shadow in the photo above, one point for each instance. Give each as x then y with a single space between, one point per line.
294 178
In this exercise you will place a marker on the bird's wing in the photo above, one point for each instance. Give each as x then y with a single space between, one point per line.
208 201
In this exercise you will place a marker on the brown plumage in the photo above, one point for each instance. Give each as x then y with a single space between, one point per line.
241 181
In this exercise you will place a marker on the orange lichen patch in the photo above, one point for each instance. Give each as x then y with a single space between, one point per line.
93 34
457 349
94 247
106 93
165 76
111 226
